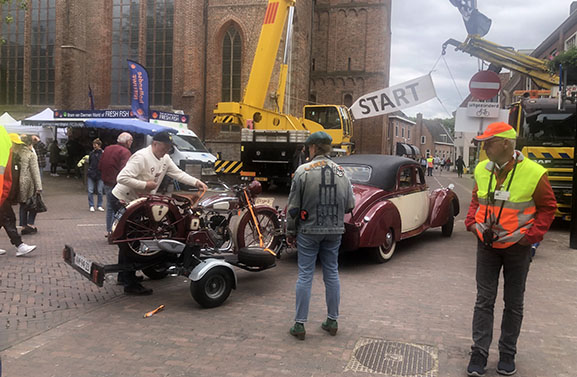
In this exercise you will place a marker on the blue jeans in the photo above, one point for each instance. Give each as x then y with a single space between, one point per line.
27 216
515 261
326 247
92 183
110 207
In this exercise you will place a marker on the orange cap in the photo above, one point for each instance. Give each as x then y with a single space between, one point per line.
499 129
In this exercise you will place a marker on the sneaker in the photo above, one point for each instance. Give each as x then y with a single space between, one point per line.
331 326
2 251
506 365
24 249
101 209
91 209
477 364
137 289
298 331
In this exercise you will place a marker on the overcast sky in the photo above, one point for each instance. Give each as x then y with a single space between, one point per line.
420 27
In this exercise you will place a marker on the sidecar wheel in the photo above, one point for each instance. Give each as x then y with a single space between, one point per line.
213 289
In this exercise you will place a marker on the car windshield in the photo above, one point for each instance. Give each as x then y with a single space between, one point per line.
550 128
358 173
188 143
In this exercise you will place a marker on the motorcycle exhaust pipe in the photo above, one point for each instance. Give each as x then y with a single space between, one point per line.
171 246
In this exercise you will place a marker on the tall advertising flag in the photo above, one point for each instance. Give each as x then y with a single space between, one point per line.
139 90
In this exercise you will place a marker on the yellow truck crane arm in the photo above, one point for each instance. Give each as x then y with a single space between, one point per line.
506 57
266 50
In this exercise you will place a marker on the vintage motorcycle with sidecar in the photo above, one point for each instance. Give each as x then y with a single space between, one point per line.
190 234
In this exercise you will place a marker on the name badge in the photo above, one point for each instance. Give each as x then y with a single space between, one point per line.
502 195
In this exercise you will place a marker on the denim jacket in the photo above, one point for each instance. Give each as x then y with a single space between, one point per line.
320 196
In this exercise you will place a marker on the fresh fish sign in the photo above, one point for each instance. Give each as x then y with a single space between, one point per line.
394 98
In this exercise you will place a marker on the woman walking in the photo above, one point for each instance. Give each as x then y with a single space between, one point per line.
30 184
94 178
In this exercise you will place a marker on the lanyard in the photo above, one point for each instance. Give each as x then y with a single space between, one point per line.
491 196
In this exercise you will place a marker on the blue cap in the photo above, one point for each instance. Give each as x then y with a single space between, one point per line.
319 137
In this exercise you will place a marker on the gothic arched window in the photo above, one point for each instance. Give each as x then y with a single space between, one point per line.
231 61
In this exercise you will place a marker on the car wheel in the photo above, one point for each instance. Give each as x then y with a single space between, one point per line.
447 228
384 252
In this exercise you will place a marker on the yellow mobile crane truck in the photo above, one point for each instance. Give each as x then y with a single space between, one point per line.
269 137
545 133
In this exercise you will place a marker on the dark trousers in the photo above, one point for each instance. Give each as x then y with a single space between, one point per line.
515 262
8 221
127 277
27 216
429 171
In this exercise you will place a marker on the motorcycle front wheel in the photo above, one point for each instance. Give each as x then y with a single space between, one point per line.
247 234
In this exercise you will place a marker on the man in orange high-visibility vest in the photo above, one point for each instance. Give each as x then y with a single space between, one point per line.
430 164
512 207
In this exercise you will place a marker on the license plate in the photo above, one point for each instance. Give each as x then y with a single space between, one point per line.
84 263
264 201
262 179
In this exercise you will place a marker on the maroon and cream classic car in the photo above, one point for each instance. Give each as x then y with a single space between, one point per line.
392 203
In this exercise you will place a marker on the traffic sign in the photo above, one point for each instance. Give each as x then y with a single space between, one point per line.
485 85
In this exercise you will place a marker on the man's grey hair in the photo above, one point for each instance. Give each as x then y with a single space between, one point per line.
124 138
323 149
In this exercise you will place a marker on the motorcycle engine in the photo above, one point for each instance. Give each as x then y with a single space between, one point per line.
218 229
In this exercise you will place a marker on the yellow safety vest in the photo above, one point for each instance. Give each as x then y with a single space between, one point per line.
518 211
430 162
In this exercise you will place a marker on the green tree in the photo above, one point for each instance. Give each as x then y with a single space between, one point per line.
568 60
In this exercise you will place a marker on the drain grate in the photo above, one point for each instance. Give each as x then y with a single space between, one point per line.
394 359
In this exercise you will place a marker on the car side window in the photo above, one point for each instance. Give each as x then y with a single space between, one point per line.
406 177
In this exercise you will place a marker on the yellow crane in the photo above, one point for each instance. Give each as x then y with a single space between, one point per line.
269 137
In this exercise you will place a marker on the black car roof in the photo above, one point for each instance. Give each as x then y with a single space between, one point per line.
384 167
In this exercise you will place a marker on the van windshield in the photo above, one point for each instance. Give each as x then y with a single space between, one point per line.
187 143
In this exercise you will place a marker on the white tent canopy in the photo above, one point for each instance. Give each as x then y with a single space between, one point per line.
7 120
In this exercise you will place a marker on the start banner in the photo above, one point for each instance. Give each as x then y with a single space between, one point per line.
394 98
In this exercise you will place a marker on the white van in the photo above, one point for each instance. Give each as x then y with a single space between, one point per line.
190 154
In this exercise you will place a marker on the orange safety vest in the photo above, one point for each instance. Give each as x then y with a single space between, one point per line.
5 165
518 211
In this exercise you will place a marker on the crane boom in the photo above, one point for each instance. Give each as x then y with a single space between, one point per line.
265 55
506 57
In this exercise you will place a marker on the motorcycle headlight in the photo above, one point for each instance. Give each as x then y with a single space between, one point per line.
254 188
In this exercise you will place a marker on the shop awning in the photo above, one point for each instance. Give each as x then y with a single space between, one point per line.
407 149
129 125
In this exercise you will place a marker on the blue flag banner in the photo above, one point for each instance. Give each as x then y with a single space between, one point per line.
139 90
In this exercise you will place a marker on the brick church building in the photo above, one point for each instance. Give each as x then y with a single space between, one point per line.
197 53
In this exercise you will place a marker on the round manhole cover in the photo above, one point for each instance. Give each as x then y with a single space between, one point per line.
395 358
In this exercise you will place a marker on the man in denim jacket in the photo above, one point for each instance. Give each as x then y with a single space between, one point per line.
320 196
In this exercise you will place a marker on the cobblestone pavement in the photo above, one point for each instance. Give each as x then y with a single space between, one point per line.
56 323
